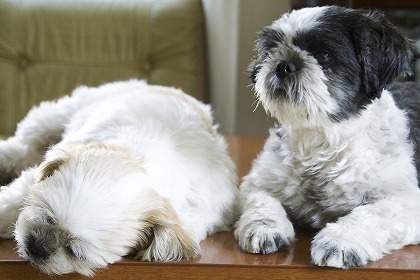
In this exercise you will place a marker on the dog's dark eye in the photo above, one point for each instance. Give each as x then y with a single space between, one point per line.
323 57
74 249
74 253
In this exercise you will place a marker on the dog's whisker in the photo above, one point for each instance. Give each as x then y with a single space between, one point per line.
256 103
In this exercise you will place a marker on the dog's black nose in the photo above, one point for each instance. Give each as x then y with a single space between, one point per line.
36 249
286 68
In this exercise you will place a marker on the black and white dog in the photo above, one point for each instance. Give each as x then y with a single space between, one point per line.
344 156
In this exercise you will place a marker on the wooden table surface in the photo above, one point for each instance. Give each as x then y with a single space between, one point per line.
222 258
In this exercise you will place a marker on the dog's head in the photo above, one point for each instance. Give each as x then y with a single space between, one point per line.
78 216
325 64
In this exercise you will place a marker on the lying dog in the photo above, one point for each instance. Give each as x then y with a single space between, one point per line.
345 157
122 167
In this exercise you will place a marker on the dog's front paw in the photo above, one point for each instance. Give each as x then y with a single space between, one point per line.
168 245
334 253
334 248
259 237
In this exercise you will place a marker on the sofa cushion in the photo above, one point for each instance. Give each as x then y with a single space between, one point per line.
47 48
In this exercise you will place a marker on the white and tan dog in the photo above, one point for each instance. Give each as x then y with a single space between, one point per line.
346 154
111 170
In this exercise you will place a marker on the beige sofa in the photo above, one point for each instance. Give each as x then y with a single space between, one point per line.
49 47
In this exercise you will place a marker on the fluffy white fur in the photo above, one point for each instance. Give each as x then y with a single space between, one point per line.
352 177
111 170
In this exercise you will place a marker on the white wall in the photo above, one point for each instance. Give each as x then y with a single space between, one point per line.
231 27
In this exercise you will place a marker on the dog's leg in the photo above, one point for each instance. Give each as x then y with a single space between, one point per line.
11 201
368 232
170 242
264 226
41 128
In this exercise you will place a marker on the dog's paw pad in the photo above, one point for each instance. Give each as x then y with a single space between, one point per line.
263 239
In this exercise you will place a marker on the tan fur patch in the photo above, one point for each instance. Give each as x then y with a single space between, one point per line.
47 168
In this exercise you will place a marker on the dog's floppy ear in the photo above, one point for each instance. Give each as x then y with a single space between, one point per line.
47 168
384 52
268 38
252 71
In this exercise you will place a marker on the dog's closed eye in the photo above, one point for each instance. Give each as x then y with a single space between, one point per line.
50 220
74 250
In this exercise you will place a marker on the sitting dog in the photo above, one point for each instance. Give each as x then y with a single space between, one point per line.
109 171
345 156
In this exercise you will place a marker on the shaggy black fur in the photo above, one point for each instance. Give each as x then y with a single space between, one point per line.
407 97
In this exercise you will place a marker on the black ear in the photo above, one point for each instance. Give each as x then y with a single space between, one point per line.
268 38
384 52
252 71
